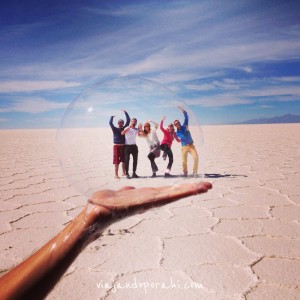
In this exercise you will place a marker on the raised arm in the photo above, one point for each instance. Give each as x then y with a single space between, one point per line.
186 118
161 125
155 124
111 122
127 117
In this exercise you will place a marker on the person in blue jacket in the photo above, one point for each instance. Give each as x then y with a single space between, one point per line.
187 143
119 143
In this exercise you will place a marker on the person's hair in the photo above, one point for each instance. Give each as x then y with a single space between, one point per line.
121 121
176 121
133 119
145 131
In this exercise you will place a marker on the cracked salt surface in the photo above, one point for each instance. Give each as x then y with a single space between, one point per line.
238 241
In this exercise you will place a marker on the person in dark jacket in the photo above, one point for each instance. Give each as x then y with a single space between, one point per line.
119 143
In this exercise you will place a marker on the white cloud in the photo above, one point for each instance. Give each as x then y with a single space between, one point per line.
219 101
200 87
273 91
30 86
33 106
288 79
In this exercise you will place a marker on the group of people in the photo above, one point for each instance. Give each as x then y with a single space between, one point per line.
125 135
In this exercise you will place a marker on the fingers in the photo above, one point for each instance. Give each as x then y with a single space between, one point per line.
128 197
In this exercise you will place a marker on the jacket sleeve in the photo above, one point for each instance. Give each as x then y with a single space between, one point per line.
111 123
127 119
186 119
177 138
161 126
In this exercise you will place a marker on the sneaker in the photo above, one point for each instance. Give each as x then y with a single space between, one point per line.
153 175
135 176
168 175
127 176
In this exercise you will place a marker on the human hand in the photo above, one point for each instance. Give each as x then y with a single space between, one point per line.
163 118
128 198
38 274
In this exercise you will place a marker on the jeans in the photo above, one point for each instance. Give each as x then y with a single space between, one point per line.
151 157
168 151
133 150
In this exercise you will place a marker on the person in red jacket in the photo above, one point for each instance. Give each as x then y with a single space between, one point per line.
169 135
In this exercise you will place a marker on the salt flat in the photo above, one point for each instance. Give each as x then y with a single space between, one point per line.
241 240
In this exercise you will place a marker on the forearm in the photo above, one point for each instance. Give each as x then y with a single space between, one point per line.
177 138
38 274
161 126
156 124
186 118
127 118
125 130
111 122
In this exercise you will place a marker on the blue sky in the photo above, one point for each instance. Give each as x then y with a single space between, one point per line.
230 60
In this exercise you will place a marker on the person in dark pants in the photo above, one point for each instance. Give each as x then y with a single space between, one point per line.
165 146
131 148
153 143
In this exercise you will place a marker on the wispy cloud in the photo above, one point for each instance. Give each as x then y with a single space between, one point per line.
31 86
273 91
215 54
175 38
33 106
218 101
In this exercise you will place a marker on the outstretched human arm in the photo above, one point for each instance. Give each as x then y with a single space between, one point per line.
155 124
161 125
177 138
141 132
186 118
127 117
37 275
125 130
111 122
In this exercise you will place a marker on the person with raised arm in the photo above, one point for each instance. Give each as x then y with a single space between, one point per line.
119 143
183 133
131 148
153 142
165 146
